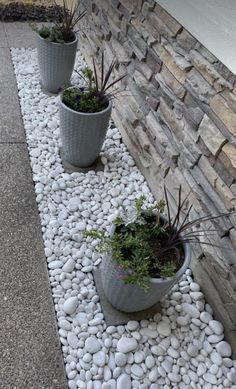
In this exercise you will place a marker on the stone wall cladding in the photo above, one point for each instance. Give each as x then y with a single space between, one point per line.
178 118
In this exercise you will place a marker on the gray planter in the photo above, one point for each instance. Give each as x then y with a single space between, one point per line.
83 134
56 62
131 298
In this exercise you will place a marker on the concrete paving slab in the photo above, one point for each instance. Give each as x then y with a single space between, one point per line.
6 67
3 37
19 35
11 126
30 354
17 202
113 317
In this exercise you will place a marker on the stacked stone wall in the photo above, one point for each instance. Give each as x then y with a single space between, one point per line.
178 119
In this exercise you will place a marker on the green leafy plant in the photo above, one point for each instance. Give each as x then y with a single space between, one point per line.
146 244
63 30
97 93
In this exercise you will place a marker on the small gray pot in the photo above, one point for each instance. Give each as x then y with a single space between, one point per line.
132 298
56 62
83 134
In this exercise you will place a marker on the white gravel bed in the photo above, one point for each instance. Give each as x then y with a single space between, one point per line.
183 347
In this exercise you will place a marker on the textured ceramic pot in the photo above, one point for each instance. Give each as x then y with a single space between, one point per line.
83 134
56 62
132 298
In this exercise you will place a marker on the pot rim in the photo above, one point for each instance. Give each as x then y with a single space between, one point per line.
182 269
108 108
56 43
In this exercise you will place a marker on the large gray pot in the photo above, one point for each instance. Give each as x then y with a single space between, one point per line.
56 62
131 298
83 134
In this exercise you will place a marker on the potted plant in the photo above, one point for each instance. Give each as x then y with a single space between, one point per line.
146 253
85 113
56 47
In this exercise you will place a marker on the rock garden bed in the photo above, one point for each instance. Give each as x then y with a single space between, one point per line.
181 347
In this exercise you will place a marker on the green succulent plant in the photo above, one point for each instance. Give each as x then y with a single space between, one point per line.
145 244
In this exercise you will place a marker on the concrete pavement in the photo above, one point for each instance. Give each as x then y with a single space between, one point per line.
30 350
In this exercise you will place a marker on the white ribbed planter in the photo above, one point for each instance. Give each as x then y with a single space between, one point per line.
132 298
83 134
56 62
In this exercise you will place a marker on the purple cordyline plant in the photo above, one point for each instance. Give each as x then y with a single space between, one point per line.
181 232
95 96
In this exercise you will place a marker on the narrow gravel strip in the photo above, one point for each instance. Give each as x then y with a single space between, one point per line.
183 347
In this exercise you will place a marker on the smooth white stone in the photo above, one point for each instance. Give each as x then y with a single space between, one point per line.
64 324
92 345
207 347
81 226
227 362
176 378
157 350
214 369
173 353
107 374
215 338
149 333
107 342
191 310
182 320
194 287
70 305
120 359
137 370
123 382
201 369
55 265
192 350
205 317
232 376
196 296
139 356
167 365
73 341
117 372
224 349
125 345
97 385
163 328
72 384
193 376
216 327
66 284
165 343
82 319
153 375
174 342
208 377
216 358
150 361
87 357
99 358
69 266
